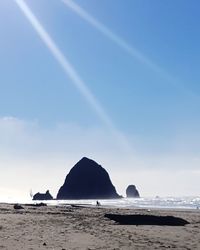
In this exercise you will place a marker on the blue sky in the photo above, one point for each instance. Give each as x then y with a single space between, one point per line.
156 110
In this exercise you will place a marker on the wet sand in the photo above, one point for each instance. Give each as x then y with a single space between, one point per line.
87 228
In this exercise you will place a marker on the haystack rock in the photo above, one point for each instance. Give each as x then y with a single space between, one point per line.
43 196
132 192
87 180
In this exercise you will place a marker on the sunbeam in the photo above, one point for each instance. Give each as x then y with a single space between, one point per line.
135 53
73 75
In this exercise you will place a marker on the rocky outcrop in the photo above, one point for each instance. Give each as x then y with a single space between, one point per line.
132 192
87 180
43 196
18 206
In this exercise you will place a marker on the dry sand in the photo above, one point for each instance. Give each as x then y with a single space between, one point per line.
86 228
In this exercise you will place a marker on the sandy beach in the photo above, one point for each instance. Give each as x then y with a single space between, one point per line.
86 228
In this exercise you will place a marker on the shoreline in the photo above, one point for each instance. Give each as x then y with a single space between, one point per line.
179 203
65 227
87 205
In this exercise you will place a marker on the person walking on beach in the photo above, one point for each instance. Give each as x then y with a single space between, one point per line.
98 203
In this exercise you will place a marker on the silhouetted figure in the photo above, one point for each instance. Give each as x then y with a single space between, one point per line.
98 204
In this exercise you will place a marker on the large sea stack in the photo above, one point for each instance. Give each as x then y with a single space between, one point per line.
87 180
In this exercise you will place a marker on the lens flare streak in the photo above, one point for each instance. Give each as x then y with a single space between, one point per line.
73 75
131 50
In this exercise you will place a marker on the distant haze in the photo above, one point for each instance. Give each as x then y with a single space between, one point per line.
37 158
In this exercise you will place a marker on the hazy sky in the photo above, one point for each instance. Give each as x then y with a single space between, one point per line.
131 102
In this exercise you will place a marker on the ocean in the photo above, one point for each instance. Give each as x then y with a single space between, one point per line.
192 202
158 202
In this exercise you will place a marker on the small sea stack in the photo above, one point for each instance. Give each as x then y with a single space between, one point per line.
87 180
43 196
132 192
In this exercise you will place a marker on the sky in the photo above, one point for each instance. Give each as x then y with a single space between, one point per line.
116 81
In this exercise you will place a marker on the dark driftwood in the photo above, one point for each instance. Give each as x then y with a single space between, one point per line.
36 205
138 219
17 206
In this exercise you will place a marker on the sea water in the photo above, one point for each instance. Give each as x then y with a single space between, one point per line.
144 202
